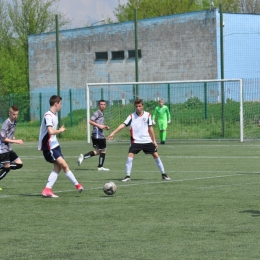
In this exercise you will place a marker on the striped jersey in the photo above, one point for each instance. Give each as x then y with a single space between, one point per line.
139 127
7 131
98 117
47 141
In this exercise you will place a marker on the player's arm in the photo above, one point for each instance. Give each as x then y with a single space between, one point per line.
52 131
168 115
14 141
151 131
120 127
91 122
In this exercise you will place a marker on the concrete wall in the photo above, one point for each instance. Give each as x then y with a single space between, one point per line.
176 47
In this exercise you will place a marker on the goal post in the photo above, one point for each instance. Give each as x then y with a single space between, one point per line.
200 109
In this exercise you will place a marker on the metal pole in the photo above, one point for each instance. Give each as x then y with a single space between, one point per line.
222 71
136 56
71 123
40 101
58 58
205 101
169 97
88 113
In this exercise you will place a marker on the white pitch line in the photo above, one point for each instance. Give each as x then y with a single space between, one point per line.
165 156
129 184
228 185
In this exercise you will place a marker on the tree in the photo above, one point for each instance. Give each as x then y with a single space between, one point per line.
250 6
154 8
33 17
19 19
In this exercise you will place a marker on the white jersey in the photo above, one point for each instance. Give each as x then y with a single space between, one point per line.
47 141
139 127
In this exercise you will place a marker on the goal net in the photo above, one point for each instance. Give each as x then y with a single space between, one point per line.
200 109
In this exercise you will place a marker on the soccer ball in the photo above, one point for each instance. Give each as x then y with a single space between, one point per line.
110 188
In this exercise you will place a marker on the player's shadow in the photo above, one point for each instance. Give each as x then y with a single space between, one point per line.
30 195
85 169
255 213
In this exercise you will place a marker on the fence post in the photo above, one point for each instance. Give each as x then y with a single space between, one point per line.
102 93
71 123
169 97
205 101
40 102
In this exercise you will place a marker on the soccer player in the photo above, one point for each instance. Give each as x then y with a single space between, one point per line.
97 120
50 147
8 158
164 117
142 138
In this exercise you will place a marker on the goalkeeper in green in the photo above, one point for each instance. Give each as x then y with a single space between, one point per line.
164 118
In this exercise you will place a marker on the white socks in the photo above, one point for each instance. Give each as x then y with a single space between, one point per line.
128 168
159 164
54 175
52 179
71 177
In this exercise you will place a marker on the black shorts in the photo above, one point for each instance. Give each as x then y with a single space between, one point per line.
52 155
146 148
99 144
8 157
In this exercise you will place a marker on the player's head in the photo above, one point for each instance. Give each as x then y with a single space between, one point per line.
13 113
56 102
139 105
102 104
161 102
139 101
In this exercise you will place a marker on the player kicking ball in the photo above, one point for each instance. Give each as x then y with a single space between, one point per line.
50 147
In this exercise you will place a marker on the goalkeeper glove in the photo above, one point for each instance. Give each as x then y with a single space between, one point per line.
153 122
169 121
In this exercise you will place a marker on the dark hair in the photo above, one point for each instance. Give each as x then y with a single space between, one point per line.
14 108
55 99
138 101
101 100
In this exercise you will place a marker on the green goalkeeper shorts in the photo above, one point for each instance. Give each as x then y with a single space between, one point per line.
162 125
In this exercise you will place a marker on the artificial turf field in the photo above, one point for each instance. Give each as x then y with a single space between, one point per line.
209 210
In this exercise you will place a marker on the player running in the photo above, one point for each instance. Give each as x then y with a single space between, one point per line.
8 158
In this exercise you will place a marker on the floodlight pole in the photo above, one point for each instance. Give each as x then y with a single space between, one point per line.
136 92
58 58
222 71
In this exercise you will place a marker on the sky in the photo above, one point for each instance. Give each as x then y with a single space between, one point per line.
89 10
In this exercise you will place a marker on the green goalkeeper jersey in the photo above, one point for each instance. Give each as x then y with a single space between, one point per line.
162 113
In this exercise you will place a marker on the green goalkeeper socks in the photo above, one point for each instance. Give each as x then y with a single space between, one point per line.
163 136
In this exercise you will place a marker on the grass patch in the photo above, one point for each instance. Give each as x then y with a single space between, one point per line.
208 211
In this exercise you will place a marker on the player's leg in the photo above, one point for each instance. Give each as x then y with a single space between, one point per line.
102 146
16 162
47 191
60 163
5 159
163 133
151 149
89 154
55 156
133 149
159 164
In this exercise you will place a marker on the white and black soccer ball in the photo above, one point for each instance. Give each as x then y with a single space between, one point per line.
110 188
